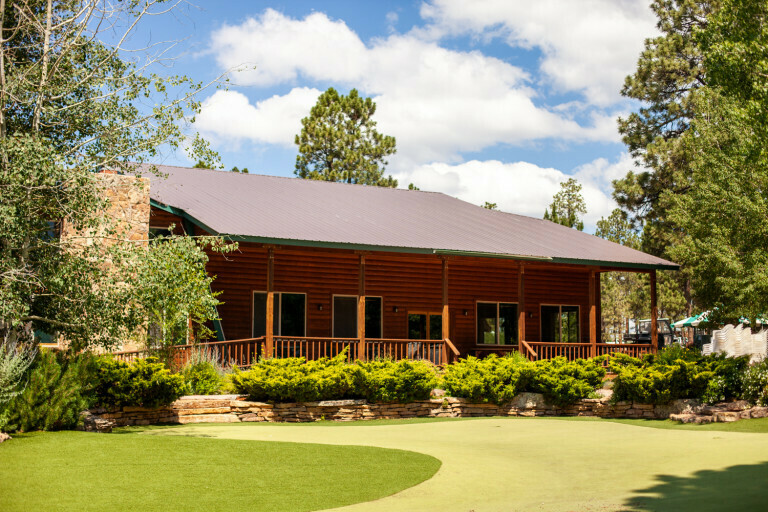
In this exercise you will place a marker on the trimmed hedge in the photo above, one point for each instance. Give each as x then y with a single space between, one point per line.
297 380
143 382
498 379
678 373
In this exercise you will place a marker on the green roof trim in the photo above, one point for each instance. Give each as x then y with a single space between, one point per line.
409 250
644 266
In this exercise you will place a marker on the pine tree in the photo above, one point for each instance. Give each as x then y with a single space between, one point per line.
339 142
567 206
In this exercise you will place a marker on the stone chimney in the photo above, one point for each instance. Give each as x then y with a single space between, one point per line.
128 208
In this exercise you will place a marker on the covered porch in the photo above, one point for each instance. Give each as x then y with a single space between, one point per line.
307 302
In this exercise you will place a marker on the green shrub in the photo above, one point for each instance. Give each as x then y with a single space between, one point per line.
492 379
143 383
668 355
58 389
202 378
727 382
498 379
563 382
203 373
395 381
659 383
755 383
294 379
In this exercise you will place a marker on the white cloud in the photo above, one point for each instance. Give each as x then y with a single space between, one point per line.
587 45
281 48
520 187
228 115
437 102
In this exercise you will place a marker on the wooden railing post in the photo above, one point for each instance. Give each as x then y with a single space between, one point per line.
446 313
654 314
361 310
270 303
521 311
592 313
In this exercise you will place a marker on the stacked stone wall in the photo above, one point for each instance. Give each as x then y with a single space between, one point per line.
236 409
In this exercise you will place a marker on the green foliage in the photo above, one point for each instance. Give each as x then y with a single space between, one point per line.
203 373
563 382
490 206
676 372
669 73
724 216
16 356
498 379
395 381
298 380
71 105
568 206
59 388
660 383
202 378
339 142
294 379
491 379
171 287
755 383
143 382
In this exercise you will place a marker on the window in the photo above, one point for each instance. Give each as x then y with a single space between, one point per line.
496 323
560 324
345 316
290 314
425 326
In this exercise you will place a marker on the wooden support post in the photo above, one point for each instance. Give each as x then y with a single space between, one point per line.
599 305
593 312
654 315
361 310
270 303
521 307
446 314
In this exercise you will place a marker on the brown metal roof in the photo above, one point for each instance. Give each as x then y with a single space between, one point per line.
274 209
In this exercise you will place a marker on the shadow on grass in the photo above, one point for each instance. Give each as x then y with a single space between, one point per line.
735 488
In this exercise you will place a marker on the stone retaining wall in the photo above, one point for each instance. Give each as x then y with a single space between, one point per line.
235 409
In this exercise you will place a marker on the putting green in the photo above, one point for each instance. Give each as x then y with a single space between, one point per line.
549 464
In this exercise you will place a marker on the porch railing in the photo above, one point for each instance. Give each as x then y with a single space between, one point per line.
631 349
241 353
546 350
312 348
536 350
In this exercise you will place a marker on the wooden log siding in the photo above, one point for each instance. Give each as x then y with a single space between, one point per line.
405 281
408 283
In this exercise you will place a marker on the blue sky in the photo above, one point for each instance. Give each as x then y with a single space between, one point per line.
489 100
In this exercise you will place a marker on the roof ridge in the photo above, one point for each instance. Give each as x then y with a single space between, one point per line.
196 169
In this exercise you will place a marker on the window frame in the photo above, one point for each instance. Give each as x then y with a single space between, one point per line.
559 324
279 310
498 317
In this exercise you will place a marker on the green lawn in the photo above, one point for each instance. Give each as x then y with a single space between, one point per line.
488 464
81 471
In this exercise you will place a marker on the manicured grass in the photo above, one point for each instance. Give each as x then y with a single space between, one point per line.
758 425
555 464
552 464
82 471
